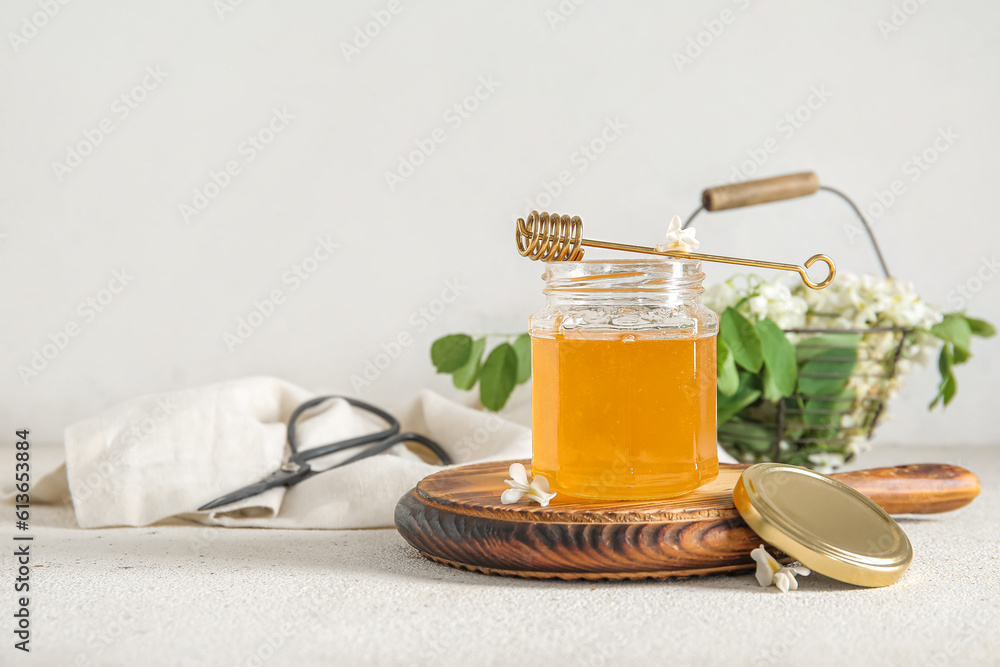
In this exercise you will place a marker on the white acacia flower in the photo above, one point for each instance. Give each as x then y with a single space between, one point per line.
858 444
826 462
537 490
679 239
720 296
770 571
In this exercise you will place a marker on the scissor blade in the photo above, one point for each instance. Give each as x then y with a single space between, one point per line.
279 478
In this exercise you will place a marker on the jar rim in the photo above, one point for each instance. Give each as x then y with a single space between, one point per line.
625 275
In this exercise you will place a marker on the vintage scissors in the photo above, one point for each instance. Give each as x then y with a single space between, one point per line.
297 468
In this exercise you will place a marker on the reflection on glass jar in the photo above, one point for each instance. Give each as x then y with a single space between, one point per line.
623 380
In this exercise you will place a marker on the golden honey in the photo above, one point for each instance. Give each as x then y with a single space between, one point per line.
635 415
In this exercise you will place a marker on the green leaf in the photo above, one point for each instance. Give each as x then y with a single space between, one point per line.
810 347
780 370
948 386
817 412
498 377
728 376
827 373
754 436
945 360
746 394
946 392
961 356
465 377
981 328
742 339
449 353
954 329
522 347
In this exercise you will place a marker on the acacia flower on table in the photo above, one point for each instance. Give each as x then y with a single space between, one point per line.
770 571
679 239
537 489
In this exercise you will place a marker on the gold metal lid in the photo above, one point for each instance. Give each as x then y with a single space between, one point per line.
824 524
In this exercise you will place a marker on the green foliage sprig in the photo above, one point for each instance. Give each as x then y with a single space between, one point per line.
956 330
507 365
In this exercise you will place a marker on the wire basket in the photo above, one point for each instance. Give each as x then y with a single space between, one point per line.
802 422
843 404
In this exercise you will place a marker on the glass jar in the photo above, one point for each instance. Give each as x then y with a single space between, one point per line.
623 379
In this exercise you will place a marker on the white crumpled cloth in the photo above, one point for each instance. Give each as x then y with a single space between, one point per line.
161 456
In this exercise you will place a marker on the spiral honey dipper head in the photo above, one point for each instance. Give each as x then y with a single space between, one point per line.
550 237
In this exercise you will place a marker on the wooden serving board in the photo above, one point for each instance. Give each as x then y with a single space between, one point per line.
455 517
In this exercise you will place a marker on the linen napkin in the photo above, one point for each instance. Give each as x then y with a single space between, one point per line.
162 456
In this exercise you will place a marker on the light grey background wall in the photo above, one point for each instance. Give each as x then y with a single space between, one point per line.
191 155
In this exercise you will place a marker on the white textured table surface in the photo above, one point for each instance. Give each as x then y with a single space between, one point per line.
180 594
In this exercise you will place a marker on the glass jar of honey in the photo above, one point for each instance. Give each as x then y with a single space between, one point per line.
623 379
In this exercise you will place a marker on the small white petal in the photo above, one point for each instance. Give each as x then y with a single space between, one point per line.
518 473
675 224
540 484
541 498
516 485
798 569
511 496
765 571
688 239
781 580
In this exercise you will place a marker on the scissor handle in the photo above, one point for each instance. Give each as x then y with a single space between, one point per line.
395 440
316 452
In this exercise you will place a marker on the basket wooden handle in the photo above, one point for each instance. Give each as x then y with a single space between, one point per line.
925 488
765 190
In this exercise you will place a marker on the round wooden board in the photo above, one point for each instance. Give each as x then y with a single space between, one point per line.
455 517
